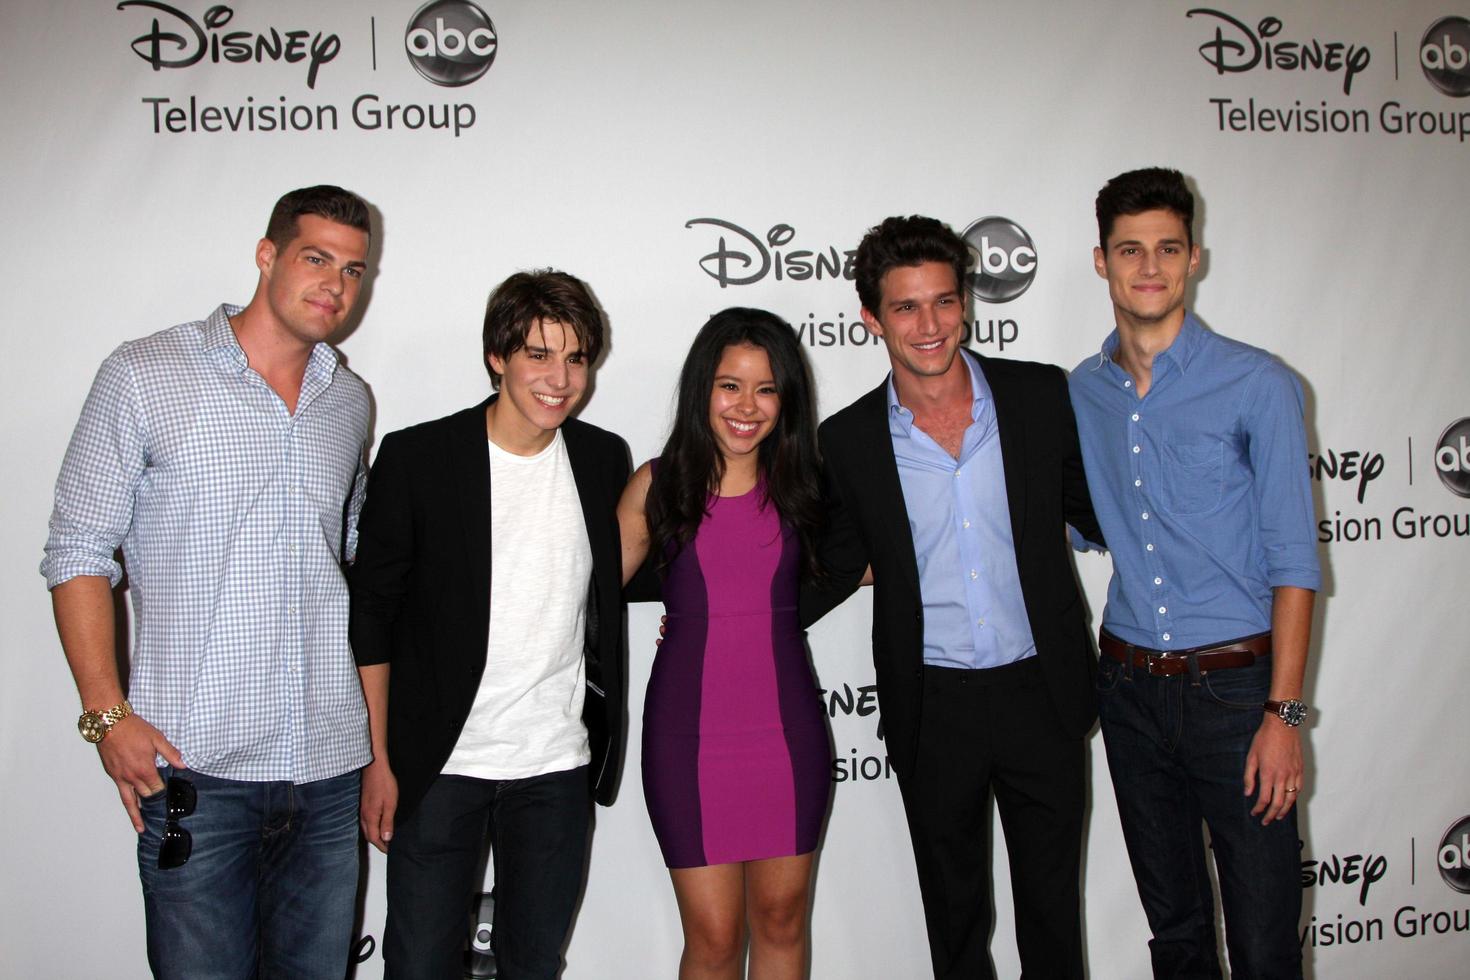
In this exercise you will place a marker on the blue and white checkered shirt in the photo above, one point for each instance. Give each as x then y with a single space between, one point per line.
230 515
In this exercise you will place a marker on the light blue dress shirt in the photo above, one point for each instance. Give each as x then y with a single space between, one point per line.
233 515
1201 488
974 612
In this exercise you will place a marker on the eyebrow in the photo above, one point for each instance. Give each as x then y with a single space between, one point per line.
1134 241
354 264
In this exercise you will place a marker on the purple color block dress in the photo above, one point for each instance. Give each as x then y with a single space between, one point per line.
736 757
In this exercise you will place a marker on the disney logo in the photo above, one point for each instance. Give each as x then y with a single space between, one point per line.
742 258
1243 49
188 42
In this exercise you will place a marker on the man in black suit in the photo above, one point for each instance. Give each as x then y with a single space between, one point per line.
488 631
955 480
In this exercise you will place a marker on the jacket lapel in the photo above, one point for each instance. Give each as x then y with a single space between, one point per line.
470 463
1010 423
883 484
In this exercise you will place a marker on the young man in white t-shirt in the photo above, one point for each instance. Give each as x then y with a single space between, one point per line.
488 630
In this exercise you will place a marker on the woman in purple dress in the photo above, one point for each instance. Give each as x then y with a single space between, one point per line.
736 753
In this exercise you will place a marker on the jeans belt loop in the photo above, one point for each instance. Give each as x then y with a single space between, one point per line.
1192 664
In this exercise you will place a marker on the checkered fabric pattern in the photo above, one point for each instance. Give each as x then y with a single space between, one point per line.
230 514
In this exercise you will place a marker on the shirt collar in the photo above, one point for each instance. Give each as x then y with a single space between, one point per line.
220 336
1181 351
901 420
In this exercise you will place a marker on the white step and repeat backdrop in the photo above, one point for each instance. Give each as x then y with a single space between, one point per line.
683 157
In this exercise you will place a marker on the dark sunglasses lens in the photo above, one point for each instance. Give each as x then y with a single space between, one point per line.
177 845
181 797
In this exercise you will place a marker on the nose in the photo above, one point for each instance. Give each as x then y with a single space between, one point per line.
558 375
1150 264
928 321
746 405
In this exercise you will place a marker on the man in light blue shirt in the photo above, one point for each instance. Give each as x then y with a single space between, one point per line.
225 459
954 479
1195 454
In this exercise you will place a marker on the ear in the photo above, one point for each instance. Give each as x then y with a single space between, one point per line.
1193 259
1100 261
871 322
497 364
265 256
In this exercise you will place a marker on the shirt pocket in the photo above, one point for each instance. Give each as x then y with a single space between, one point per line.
1193 476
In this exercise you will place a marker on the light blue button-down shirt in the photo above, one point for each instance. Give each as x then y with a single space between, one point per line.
974 613
230 514
1201 488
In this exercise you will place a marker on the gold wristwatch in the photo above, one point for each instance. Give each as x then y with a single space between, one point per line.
94 725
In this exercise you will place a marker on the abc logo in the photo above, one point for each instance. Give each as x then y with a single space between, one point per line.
1005 259
1444 54
1452 458
1454 856
450 42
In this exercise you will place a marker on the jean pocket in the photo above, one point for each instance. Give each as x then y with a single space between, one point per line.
1243 688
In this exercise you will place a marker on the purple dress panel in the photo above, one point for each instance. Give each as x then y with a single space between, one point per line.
736 757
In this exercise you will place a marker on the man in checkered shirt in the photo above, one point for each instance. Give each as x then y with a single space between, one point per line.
224 458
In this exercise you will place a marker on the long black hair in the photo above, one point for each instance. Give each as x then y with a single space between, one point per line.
691 466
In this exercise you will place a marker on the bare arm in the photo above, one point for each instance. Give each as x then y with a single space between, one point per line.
1275 759
83 609
379 785
633 521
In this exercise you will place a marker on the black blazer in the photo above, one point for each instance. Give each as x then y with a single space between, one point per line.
421 590
868 524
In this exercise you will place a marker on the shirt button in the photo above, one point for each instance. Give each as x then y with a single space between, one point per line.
291 610
967 524
1138 483
981 622
1158 581
1145 515
1166 636
1163 609
1135 449
1135 416
1128 384
974 574
1149 547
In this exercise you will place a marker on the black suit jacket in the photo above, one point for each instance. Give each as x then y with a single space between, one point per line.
421 590
868 524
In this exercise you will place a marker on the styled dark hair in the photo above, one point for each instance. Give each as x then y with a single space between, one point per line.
690 467
1137 191
547 295
906 242
324 200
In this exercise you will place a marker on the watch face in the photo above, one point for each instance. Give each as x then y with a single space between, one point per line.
1293 712
91 726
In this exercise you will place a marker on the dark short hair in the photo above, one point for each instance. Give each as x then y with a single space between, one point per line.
324 200
544 295
1137 191
906 242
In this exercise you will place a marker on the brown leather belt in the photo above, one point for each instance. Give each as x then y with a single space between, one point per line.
1160 663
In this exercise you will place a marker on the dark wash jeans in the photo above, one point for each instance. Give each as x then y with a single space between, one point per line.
1176 750
538 834
270 888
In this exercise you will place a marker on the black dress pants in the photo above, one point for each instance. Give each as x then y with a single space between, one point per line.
995 731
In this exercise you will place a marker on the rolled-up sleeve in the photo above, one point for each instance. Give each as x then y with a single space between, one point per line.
100 475
1273 410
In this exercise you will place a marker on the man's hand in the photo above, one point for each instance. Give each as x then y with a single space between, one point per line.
1275 764
379 802
128 754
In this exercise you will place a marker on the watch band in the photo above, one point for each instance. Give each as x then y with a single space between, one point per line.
94 725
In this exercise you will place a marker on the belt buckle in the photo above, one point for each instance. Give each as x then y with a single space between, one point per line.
1161 659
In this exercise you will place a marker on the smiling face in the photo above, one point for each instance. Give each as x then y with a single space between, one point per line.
1147 263
540 383
743 405
311 282
921 317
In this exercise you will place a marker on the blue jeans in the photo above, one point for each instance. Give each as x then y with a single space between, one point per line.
537 828
1176 750
270 888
